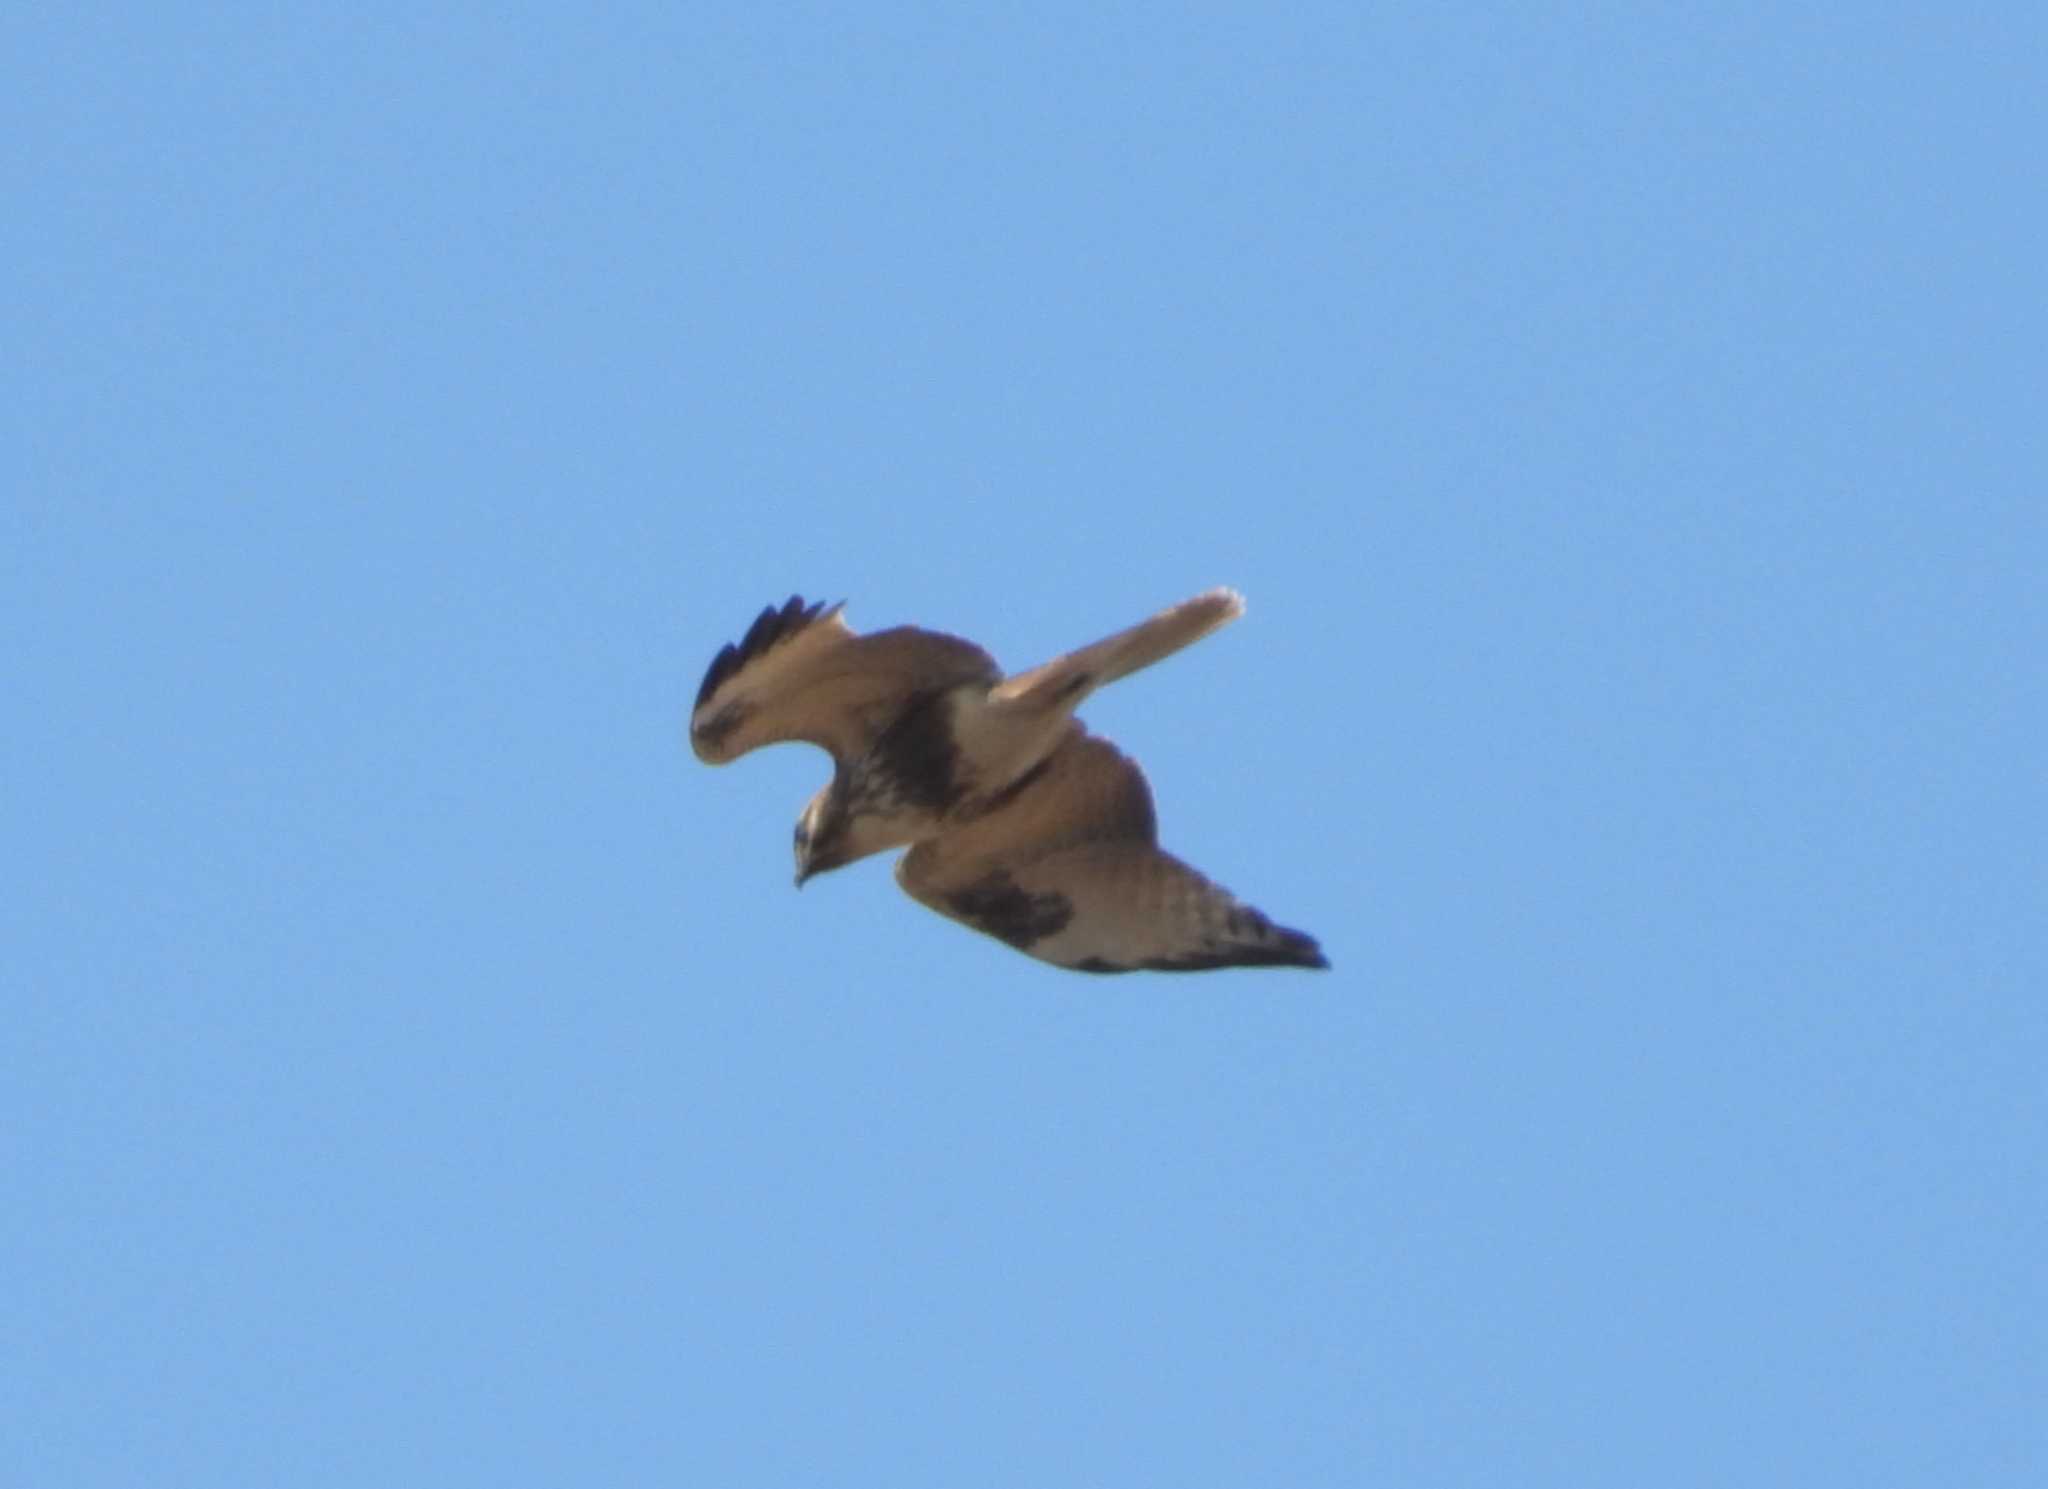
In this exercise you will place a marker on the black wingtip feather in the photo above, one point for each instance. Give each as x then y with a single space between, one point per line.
1299 951
771 626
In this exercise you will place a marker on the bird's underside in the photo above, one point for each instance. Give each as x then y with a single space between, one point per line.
1020 823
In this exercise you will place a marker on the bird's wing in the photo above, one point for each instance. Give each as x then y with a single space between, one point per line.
1069 870
1067 680
801 672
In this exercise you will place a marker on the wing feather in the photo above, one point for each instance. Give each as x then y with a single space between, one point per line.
1067 680
1068 870
802 673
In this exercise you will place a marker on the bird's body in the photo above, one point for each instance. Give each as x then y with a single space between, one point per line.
1020 823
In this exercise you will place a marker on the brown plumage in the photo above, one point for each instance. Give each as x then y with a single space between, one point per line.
1021 824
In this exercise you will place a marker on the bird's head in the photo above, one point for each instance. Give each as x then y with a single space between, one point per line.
821 835
832 832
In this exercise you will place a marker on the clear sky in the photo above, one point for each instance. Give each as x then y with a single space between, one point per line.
1626 425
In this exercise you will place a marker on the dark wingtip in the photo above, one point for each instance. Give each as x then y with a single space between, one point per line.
772 625
1276 946
1298 950
1305 952
1301 950
1292 949
1309 956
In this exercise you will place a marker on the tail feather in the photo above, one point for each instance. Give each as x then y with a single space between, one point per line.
1069 678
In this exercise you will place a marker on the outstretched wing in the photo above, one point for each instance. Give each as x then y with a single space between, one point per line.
801 672
1067 680
1069 870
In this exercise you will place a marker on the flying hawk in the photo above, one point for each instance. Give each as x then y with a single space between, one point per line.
1020 823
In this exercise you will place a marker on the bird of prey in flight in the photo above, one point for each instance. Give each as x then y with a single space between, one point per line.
1020 823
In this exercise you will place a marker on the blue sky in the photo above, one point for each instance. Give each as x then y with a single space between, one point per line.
1626 426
